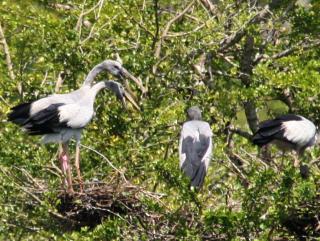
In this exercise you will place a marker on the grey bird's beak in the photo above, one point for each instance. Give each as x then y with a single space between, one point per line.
125 73
128 97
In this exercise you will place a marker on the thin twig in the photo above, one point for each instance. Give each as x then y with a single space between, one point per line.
165 33
106 159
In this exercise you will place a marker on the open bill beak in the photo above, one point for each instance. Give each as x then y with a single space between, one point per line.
131 100
126 74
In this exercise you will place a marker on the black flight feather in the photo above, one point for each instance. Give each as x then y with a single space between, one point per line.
270 130
45 121
20 113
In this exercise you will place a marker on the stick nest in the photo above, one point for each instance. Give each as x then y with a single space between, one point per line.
100 200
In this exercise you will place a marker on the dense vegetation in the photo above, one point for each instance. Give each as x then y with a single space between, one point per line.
241 61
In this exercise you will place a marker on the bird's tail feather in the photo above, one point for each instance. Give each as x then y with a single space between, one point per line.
20 113
265 135
198 178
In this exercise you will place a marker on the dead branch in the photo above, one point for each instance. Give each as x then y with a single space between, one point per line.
238 35
239 173
59 82
6 50
304 46
186 33
165 33
105 158
66 7
240 132
7 54
83 13
208 5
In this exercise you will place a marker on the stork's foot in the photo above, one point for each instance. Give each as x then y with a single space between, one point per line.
70 190
296 163
304 171
81 185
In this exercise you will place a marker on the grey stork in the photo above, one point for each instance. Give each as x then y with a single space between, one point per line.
287 132
195 147
43 116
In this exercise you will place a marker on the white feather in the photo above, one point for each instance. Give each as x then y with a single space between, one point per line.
75 116
69 98
299 132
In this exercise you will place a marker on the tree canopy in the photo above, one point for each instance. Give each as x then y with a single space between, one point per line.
240 61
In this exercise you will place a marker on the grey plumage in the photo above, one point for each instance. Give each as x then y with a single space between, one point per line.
195 147
289 131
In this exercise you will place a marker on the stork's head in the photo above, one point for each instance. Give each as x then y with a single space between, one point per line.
114 67
117 70
194 113
121 93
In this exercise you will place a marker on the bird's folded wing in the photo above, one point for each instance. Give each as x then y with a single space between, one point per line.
44 121
195 150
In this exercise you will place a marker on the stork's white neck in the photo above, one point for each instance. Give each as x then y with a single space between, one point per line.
93 73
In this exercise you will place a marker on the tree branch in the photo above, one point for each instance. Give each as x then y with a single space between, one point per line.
245 75
302 45
240 132
8 58
156 17
293 49
165 33
238 35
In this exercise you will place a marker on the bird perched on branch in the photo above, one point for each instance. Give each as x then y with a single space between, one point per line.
287 132
195 147
61 117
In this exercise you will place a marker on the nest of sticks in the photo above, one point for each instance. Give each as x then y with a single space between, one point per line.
116 197
99 200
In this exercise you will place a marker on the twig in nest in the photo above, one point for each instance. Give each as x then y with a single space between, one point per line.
106 159
238 171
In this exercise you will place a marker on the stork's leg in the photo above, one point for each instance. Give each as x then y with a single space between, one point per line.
296 156
65 167
77 164
61 158
296 161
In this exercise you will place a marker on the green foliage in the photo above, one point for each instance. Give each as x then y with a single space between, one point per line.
45 39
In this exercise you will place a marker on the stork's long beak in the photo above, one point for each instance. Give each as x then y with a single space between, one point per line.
126 73
130 99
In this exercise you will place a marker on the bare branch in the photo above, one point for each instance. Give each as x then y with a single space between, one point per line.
186 33
302 45
240 132
293 49
237 36
107 160
59 81
8 58
165 33
84 13
208 5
